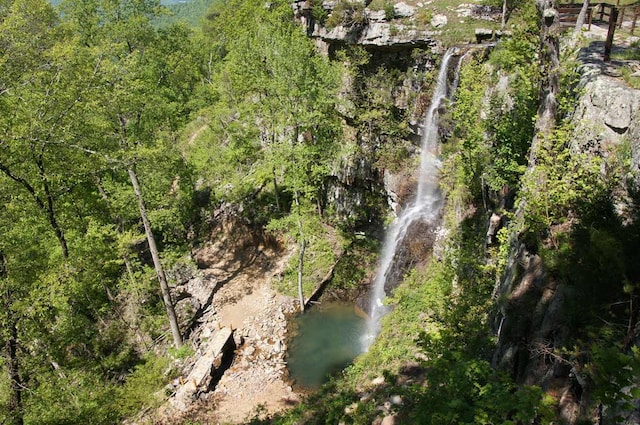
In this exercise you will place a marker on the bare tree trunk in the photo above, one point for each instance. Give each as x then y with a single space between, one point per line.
303 246
581 17
16 416
275 189
166 294
608 44
13 370
550 81
504 14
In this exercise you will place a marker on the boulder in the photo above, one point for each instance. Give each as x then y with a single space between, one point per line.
439 21
606 110
396 400
464 10
376 15
403 10
389 420
495 224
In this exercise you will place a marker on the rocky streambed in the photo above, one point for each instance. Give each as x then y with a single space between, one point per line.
232 288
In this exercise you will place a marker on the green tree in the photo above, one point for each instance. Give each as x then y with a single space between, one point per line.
148 77
282 92
45 80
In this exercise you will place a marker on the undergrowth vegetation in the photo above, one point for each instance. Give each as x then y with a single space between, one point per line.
436 349
246 117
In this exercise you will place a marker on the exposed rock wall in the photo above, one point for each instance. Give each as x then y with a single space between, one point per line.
360 187
532 324
373 29
607 112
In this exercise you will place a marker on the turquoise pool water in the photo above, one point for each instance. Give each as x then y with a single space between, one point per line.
326 340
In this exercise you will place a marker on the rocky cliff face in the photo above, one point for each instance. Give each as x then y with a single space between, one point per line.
403 41
382 101
536 330
607 112
371 28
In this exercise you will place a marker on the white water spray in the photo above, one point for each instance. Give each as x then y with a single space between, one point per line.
425 207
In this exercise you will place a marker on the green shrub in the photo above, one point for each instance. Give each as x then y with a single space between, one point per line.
70 397
143 386
562 182
181 353
424 16
632 80
318 12
389 11
347 13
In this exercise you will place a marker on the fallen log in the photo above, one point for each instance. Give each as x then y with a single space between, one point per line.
317 293
206 369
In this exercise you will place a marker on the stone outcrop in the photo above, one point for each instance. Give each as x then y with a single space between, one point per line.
403 10
532 326
354 188
377 34
439 21
374 31
607 112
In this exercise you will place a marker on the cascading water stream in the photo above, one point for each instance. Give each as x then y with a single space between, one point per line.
424 208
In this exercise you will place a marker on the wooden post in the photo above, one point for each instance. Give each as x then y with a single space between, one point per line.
590 12
635 17
621 16
602 11
613 17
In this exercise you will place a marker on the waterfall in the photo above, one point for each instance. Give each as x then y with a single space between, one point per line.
425 208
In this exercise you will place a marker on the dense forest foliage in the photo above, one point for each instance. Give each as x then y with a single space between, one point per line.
94 101
122 128
192 12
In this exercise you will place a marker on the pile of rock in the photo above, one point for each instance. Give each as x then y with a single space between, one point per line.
260 358
479 11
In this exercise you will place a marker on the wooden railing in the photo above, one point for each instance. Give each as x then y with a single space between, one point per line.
601 12
568 14
629 11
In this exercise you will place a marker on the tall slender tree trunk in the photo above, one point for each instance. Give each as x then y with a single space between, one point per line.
303 246
581 17
16 416
504 14
275 189
550 69
166 294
